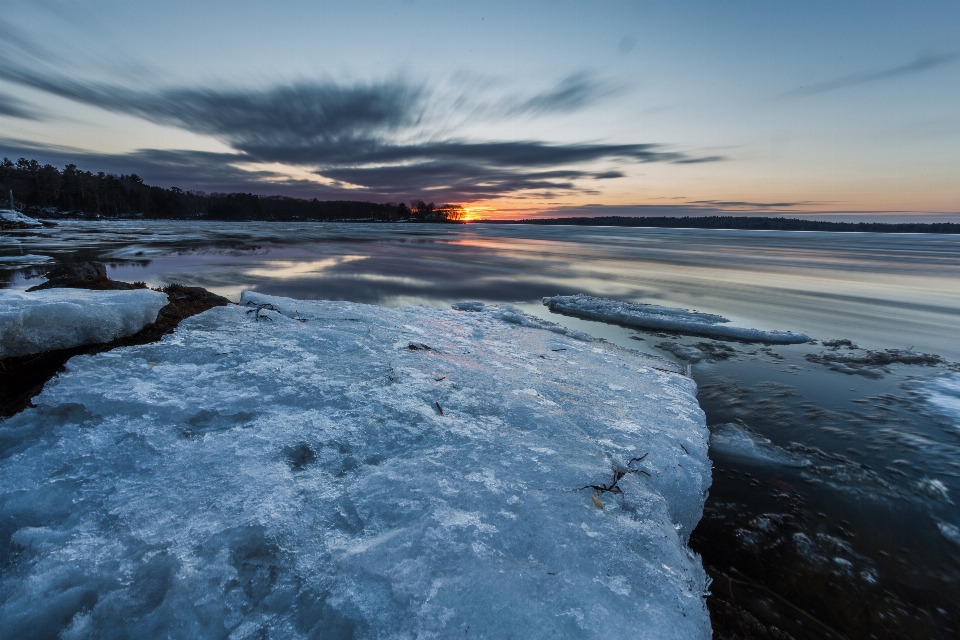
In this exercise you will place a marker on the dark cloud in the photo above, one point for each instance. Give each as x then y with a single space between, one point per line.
921 64
757 205
606 175
10 106
374 135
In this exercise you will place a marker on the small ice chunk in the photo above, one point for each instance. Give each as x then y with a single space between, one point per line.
943 393
682 351
657 318
468 306
736 441
61 318
949 531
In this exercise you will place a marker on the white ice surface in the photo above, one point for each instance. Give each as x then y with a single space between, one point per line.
61 318
9 215
311 475
657 318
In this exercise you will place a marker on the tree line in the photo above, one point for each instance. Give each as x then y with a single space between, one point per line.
750 223
45 190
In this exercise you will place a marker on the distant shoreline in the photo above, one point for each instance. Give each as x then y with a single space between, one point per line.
744 223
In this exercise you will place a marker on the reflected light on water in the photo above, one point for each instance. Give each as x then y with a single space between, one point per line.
292 269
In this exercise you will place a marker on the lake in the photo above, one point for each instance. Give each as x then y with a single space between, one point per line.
836 463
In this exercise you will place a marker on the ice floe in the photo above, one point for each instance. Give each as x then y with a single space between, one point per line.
292 469
657 318
737 441
62 318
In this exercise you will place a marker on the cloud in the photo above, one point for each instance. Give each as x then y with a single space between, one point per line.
921 64
755 205
383 137
572 93
10 106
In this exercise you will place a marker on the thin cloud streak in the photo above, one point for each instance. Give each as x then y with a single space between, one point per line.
921 64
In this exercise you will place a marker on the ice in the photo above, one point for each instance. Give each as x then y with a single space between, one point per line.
15 217
657 318
28 258
943 392
683 351
468 306
62 318
294 469
867 363
737 441
949 531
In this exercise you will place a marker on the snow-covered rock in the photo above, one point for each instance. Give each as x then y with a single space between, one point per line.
657 318
328 469
15 217
62 318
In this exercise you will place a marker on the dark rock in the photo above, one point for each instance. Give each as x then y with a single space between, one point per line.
84 275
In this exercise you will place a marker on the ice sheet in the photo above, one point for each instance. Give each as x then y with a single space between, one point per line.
329 469
61 318
657 318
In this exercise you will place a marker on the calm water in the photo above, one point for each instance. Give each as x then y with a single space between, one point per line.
850 507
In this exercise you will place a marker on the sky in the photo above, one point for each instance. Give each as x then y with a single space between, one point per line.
508 108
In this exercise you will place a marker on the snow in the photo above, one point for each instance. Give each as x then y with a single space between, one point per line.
657 318
11 216
61 318
297 469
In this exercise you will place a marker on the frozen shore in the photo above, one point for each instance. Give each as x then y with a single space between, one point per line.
291 467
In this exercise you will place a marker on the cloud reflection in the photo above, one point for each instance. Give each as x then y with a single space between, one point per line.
293 269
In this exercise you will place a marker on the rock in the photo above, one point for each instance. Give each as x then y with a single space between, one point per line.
84 275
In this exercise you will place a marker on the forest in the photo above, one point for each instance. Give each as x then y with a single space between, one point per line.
45 190
751 223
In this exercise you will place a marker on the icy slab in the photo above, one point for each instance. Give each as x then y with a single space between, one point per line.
657 318
306 469
62 318
15 217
